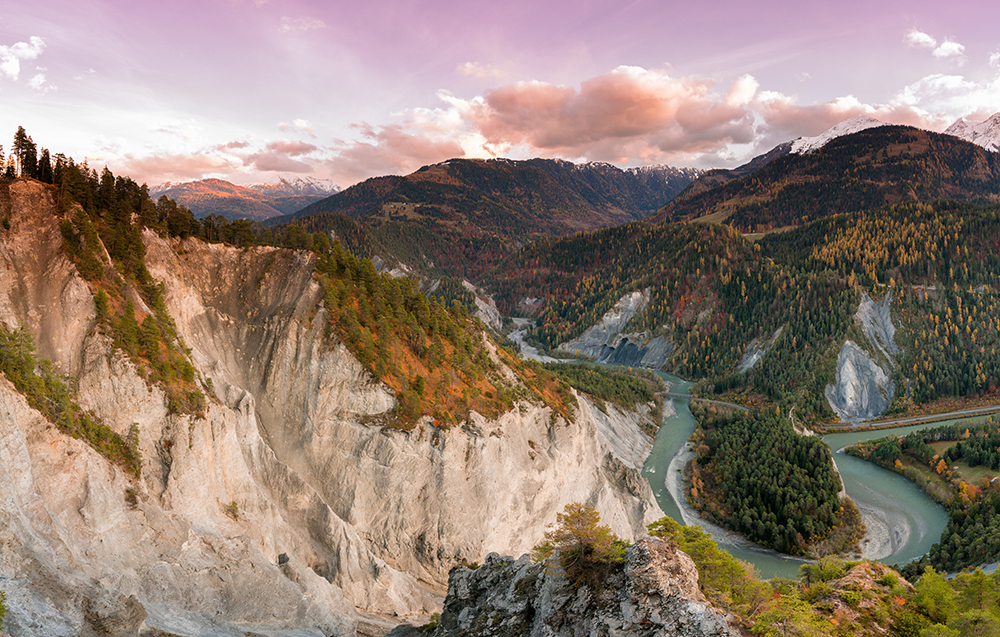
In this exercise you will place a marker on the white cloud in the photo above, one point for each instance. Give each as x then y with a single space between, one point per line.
11 56
948 49
289 25
995 59
742 91
948 97
920 39
296 124
38 83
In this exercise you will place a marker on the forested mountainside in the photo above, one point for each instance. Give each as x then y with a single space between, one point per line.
792 297
865 170
461 217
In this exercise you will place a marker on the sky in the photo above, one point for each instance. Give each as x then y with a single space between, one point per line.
250 90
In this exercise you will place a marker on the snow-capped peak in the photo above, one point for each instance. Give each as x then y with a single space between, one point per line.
804 145
296 186
985 134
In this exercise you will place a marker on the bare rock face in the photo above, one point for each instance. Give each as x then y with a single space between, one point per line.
279 511
656 594
864 387
606 341
875 319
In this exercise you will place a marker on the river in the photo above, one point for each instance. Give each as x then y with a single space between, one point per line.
903 521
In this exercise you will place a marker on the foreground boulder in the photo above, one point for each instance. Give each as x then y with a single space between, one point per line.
656 593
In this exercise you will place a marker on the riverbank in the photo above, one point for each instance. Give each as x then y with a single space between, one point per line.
885 532
674 483
874 425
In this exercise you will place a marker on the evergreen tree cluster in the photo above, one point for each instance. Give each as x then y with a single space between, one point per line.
433 356
25 160
627 389
48 393
756 476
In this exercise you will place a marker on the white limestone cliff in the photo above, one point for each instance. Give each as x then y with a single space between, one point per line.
279 510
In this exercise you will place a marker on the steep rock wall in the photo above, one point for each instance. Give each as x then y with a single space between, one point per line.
864 388
89 549
423 500
605 342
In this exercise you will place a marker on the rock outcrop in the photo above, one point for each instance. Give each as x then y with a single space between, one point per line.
863 388
486 307
656 594
755 351
279 510
605 342
875 319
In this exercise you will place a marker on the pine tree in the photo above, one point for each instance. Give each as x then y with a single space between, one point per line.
25 153
45 167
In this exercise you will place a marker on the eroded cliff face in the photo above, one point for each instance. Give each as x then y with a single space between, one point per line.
279 510
424 500
863 388
605 342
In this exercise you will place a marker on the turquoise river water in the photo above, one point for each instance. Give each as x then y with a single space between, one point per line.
914 519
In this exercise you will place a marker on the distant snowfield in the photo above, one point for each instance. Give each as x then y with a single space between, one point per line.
985 134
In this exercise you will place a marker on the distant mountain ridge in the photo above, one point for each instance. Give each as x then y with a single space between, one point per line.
254 201
874 166
463 215
803 145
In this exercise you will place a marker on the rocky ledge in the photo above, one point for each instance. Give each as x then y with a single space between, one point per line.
656 594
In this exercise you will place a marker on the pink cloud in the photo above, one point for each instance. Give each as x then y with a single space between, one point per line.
291 147
161 167
388 150
785 119
299 124
270 161
279 156
612 115
234 145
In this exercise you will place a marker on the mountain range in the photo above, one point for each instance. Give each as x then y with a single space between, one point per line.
875 166
254 201
462 216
